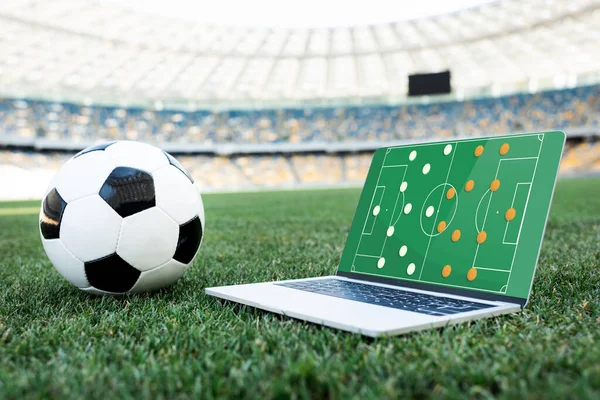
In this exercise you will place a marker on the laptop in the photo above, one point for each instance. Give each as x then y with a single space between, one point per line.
443 233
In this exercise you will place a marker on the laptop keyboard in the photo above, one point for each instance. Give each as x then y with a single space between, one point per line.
382 296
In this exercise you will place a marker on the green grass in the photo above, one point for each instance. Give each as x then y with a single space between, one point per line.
56 341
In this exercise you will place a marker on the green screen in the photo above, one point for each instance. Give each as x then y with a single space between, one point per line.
467 213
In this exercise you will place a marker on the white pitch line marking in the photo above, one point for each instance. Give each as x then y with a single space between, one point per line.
477 211
438 210
512 204
521 135
431 234
525 209
492 269
393 212
401 210
377 215
398 196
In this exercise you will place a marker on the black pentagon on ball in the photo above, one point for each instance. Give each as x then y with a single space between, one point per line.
190 236
129 191
173 161
98 147
111 274
53 209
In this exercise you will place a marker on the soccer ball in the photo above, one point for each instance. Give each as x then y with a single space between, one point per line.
122 217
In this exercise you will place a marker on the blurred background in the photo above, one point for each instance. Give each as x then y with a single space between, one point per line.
267 94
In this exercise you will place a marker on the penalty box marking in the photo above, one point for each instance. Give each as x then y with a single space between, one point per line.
395 207
512 204
490 202
371 210
353 267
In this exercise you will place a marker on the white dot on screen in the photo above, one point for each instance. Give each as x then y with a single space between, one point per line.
403 251
429 211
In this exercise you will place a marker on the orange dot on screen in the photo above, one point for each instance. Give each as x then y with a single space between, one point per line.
504 149
469 185
472 274
495 185
511 213
450 193
441 226
481 236
455 235
446 271
478 151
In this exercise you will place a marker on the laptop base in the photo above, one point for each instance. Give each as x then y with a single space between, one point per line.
352 316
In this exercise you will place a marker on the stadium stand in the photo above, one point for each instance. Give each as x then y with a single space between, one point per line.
30 171
581 158
558 109
274 171
64 123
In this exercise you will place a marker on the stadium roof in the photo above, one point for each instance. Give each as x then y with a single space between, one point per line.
74 49
305 14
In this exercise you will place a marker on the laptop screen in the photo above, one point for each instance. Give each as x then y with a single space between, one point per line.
465 214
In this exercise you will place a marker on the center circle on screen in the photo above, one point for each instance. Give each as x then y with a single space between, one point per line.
431 210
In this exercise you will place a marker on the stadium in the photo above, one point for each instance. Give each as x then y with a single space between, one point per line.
278 127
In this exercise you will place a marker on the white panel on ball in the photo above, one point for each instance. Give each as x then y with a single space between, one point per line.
148 239
83 176
93 290
90 228
176 195
65 262
137 155
159 277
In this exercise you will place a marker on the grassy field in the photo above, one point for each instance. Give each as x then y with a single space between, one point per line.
56 341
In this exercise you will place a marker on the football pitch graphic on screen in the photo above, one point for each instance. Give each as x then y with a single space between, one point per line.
466 213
